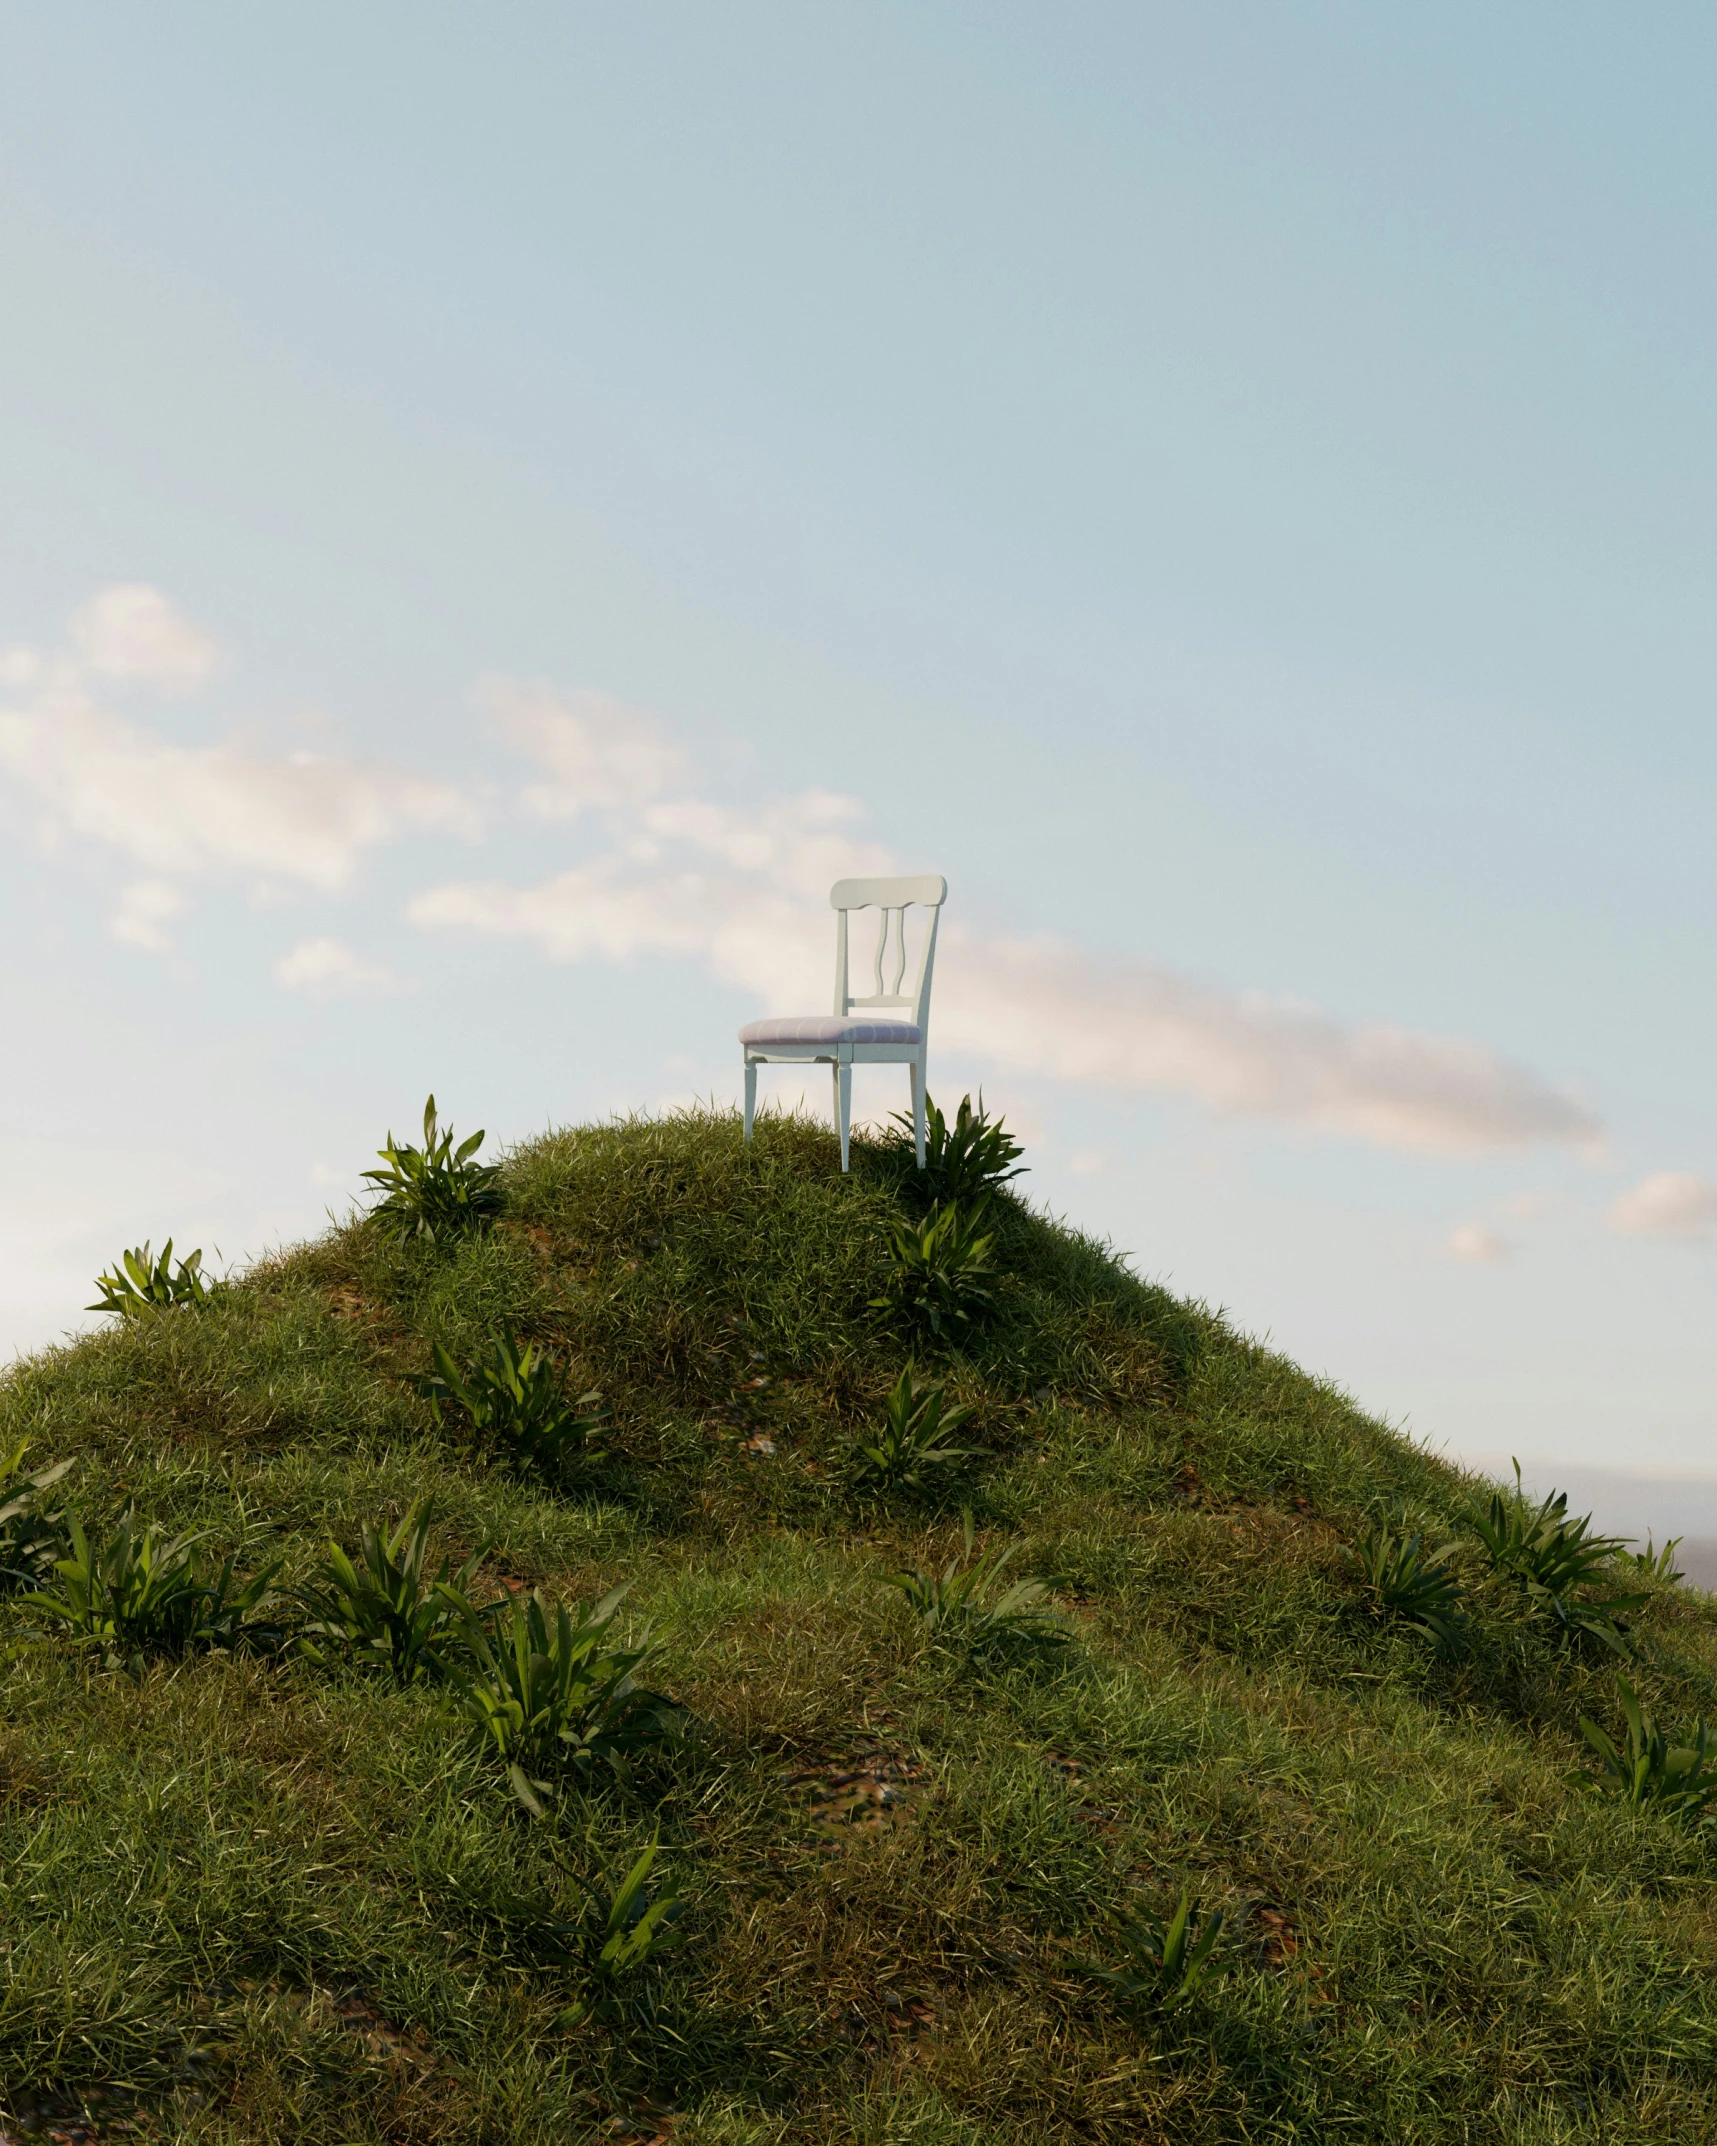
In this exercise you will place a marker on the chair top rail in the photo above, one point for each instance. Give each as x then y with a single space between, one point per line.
927 888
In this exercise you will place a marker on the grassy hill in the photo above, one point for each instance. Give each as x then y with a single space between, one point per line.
258 1893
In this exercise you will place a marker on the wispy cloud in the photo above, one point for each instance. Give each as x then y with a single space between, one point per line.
143 912
132 634
594 751
1669 1203
183 812
329 969
669 872
744 892
1476 1246
1044 1006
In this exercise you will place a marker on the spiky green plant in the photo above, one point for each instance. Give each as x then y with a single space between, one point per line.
435 1191
32 1526
550 1692
1165 1964
1554 1560
912 1448
941 1278
140 1283
961 1608
512 1402
1654 1564
136 1592
1649 1769
385 1608
1403 1580
963 1161
624 1928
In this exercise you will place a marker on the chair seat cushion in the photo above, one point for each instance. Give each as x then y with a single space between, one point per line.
802 1028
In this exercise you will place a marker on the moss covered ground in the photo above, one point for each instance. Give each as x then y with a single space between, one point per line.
248 1897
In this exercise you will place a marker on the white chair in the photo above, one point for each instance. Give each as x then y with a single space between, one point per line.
842 1040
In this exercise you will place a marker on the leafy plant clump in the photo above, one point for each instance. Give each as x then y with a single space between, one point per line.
624 1929
963 1161
135 1593
385 1609
912 1449
1650 1770
435 1191
941 1277
1403 1580
961 1609
550 1692
1654 1564
32 1527
1166 1964
141 1283
513 1403
1553 1560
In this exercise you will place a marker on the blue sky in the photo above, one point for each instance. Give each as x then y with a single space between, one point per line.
498 506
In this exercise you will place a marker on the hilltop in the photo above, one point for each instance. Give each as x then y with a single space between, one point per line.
252 1891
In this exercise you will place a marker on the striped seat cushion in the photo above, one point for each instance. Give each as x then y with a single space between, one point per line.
827 1028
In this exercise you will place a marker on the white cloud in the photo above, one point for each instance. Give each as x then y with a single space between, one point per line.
1046 1007
1669 1203
189 810
741 891
141 912
594 910
20 669
328 969
595 751
803 843
224 808
132 633
745 894
1477 1246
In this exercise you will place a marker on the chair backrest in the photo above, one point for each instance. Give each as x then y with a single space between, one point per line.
926 890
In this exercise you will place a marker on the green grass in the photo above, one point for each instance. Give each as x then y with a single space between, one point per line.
248 1898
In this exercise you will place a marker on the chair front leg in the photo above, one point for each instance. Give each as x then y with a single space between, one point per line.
844 1105
917 1072
750 1097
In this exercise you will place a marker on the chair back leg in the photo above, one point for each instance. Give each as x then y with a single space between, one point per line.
844 1106
750 1097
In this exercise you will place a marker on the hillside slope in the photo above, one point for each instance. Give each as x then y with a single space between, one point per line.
248 1895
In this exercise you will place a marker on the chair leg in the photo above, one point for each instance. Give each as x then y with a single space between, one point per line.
917 1074
844 1107
750 1097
